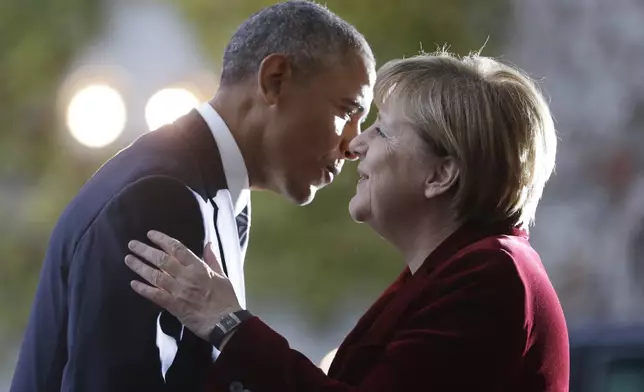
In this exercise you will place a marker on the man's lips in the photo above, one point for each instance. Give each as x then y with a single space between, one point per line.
334 170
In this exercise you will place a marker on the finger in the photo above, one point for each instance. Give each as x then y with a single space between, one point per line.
211 260
156 257
152 275
156 295
174 248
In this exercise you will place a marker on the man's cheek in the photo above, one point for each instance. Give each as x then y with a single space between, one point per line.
339 124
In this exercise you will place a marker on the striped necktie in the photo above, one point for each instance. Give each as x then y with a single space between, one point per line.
242 227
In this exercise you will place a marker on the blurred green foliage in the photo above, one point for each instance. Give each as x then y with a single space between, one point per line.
38 39
314 256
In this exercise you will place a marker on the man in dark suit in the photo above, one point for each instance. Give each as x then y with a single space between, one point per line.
295 86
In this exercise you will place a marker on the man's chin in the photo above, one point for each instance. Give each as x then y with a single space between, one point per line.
303 196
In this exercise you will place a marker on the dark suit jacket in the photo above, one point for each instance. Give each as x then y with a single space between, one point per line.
480 315
88 330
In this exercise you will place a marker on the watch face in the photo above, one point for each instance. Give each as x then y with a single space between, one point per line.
228 322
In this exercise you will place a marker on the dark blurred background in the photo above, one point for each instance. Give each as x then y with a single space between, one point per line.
81 79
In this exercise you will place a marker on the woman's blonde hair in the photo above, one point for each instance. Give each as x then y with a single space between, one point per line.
490 117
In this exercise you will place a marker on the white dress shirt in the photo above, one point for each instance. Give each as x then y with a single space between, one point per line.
231 158
238 193
229 203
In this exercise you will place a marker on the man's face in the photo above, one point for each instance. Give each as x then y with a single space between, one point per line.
313 123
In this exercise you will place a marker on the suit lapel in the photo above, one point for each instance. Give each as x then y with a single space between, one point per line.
194 131
170 332
201 169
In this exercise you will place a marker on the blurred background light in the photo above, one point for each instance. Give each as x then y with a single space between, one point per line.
96 115
167 105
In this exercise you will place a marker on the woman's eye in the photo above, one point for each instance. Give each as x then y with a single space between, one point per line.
379 131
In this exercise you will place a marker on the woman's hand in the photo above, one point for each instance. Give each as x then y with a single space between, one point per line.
195 292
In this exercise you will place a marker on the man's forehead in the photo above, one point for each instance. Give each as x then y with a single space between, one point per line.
359 75
352 85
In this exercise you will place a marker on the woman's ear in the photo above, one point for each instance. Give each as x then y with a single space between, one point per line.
442 178
274 72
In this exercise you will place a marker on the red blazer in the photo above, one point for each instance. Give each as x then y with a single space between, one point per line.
479 315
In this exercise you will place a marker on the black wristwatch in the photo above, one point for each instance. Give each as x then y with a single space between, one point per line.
227 324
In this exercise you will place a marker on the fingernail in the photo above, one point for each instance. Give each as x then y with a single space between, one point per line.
132 244
153 234
129 259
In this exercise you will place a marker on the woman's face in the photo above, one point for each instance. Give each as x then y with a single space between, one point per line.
395 171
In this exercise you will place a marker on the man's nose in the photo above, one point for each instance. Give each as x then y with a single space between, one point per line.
351 133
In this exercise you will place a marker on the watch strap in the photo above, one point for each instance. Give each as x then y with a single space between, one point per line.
226 325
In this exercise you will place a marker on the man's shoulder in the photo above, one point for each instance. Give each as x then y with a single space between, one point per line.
151 176
155 202
139 197
150 163
156 191
152 192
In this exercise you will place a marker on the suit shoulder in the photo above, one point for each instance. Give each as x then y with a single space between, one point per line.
514 256
156 186
151 203
155 195
490 265
489 253
152 199
501 253
480 284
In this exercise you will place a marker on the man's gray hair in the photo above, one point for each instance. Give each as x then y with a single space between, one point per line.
309 34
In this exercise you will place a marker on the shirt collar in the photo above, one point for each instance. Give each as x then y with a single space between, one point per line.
231 157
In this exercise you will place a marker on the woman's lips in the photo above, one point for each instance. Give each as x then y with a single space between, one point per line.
362 175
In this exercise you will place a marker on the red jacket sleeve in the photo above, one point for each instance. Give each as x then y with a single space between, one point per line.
464 332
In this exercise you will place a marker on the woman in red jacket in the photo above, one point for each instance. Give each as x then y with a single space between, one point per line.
450 174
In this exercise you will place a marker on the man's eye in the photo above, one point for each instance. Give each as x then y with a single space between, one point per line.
349 113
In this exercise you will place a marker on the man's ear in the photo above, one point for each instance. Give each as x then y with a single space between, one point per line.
442 178
274 72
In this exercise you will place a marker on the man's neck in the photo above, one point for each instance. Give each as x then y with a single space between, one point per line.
236 109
